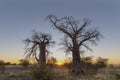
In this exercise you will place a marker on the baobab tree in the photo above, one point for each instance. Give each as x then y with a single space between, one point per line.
37 47
77 37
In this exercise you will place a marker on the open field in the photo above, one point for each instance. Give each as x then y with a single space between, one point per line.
14 73
59 73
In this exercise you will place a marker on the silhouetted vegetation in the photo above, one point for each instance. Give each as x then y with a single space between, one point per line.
67 63
24 62
7 63
77 37
101 62
42 74
2 66
88 65
37 47
51 61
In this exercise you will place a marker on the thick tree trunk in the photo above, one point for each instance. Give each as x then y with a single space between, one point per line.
76 67
42 57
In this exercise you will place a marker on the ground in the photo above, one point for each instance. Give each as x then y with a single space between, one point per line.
59 73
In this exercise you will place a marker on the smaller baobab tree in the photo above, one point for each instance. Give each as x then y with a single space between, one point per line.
37 47
77 37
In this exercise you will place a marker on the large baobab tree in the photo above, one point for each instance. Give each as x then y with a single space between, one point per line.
37 47
77 37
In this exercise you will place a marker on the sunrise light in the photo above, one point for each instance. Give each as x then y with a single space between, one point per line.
60 63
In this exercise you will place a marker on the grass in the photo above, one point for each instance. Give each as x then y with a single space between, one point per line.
60 73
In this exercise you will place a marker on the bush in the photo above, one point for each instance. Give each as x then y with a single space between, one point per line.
67 63
8 63
42 74
101 62
87 65
90 67
2 66
24 63
51 61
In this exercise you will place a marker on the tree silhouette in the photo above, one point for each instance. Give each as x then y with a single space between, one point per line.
101 62
77 37
51 61
37 47
24 62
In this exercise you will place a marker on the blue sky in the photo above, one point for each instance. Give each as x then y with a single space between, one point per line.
19 17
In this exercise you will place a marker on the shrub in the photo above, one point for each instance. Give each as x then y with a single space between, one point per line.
101 62
8 63
24 63
51 61
2 66
87 65
41 74
67 63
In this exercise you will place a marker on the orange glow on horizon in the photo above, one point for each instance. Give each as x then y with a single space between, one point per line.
114 61
60 63
11 60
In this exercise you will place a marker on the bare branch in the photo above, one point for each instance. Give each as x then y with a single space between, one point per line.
61 27
86 22
92 36
36 58
87 47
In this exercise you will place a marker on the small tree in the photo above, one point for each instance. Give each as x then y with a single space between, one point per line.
101 62
24 62
51 61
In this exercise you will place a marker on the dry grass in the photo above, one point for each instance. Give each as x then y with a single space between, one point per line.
15 73
60 73
108 73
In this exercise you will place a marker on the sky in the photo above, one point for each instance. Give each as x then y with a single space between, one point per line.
19 17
